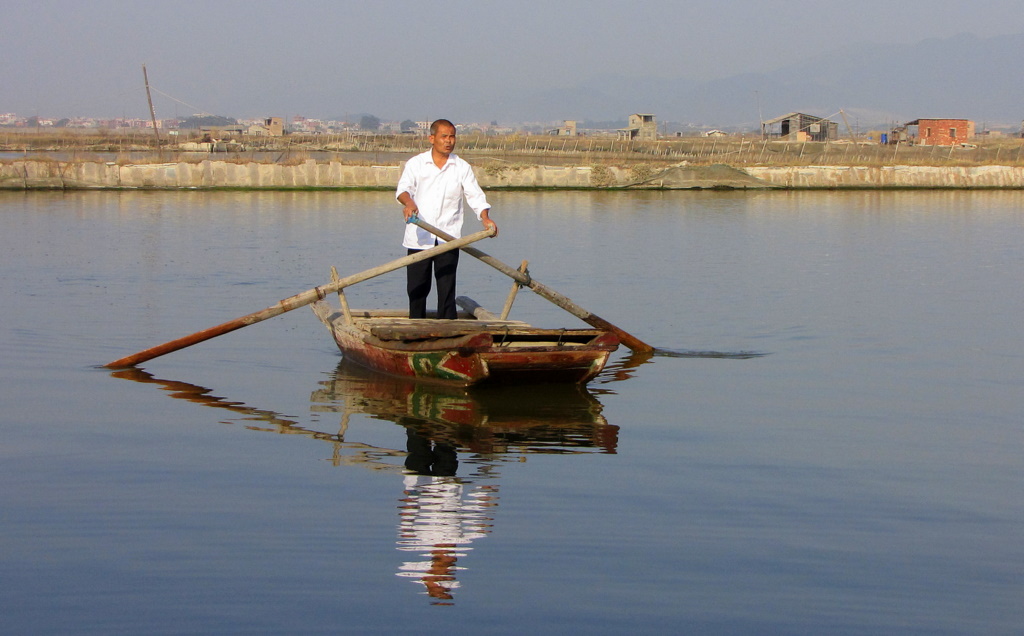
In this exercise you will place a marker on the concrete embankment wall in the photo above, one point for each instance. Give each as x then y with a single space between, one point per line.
311 174
891 176
37 174
205 174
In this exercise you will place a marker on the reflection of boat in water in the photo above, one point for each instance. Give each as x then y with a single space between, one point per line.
491 420
202 395
256 419
440 513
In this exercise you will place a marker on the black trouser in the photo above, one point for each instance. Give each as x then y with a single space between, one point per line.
418 284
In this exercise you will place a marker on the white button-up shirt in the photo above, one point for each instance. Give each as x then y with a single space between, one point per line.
438 193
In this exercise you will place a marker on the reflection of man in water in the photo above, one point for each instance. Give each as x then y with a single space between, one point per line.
429 458
436 517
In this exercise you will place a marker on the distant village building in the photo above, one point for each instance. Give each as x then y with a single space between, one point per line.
568 129
800 127
223 132
275 125
271 127
642 127
942 132
898 135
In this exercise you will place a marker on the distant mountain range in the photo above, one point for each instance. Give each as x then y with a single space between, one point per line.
960 77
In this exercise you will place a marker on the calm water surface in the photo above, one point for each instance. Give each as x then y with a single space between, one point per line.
834 447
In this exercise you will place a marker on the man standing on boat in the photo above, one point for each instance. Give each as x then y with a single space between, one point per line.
433 186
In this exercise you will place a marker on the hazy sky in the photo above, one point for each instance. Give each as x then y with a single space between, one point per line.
419 60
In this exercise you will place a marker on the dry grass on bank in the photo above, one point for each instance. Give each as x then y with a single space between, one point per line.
507 152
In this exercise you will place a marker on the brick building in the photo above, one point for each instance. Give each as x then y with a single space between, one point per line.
943 132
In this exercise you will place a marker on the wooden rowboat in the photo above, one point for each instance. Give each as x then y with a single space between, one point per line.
478 348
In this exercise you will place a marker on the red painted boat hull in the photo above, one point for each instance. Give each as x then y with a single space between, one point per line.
481 358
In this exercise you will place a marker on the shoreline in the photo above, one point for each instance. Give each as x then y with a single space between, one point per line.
213 174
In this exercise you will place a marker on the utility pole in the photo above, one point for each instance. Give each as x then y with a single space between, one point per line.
760 117
152 115
853 136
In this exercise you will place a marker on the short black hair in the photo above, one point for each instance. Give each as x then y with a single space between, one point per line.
440 122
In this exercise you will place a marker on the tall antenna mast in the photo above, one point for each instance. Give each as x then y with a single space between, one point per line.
152 115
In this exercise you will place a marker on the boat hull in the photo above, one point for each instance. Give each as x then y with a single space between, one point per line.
468 352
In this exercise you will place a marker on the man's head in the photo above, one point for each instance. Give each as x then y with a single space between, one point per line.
440 122
442 137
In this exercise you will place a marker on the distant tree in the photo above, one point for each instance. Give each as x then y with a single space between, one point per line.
408 125
32 121
369 122
63 123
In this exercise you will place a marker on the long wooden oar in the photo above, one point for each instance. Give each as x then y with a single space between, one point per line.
293 302
565 303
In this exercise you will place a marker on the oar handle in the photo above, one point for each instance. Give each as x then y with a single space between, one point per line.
564 302
293 302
